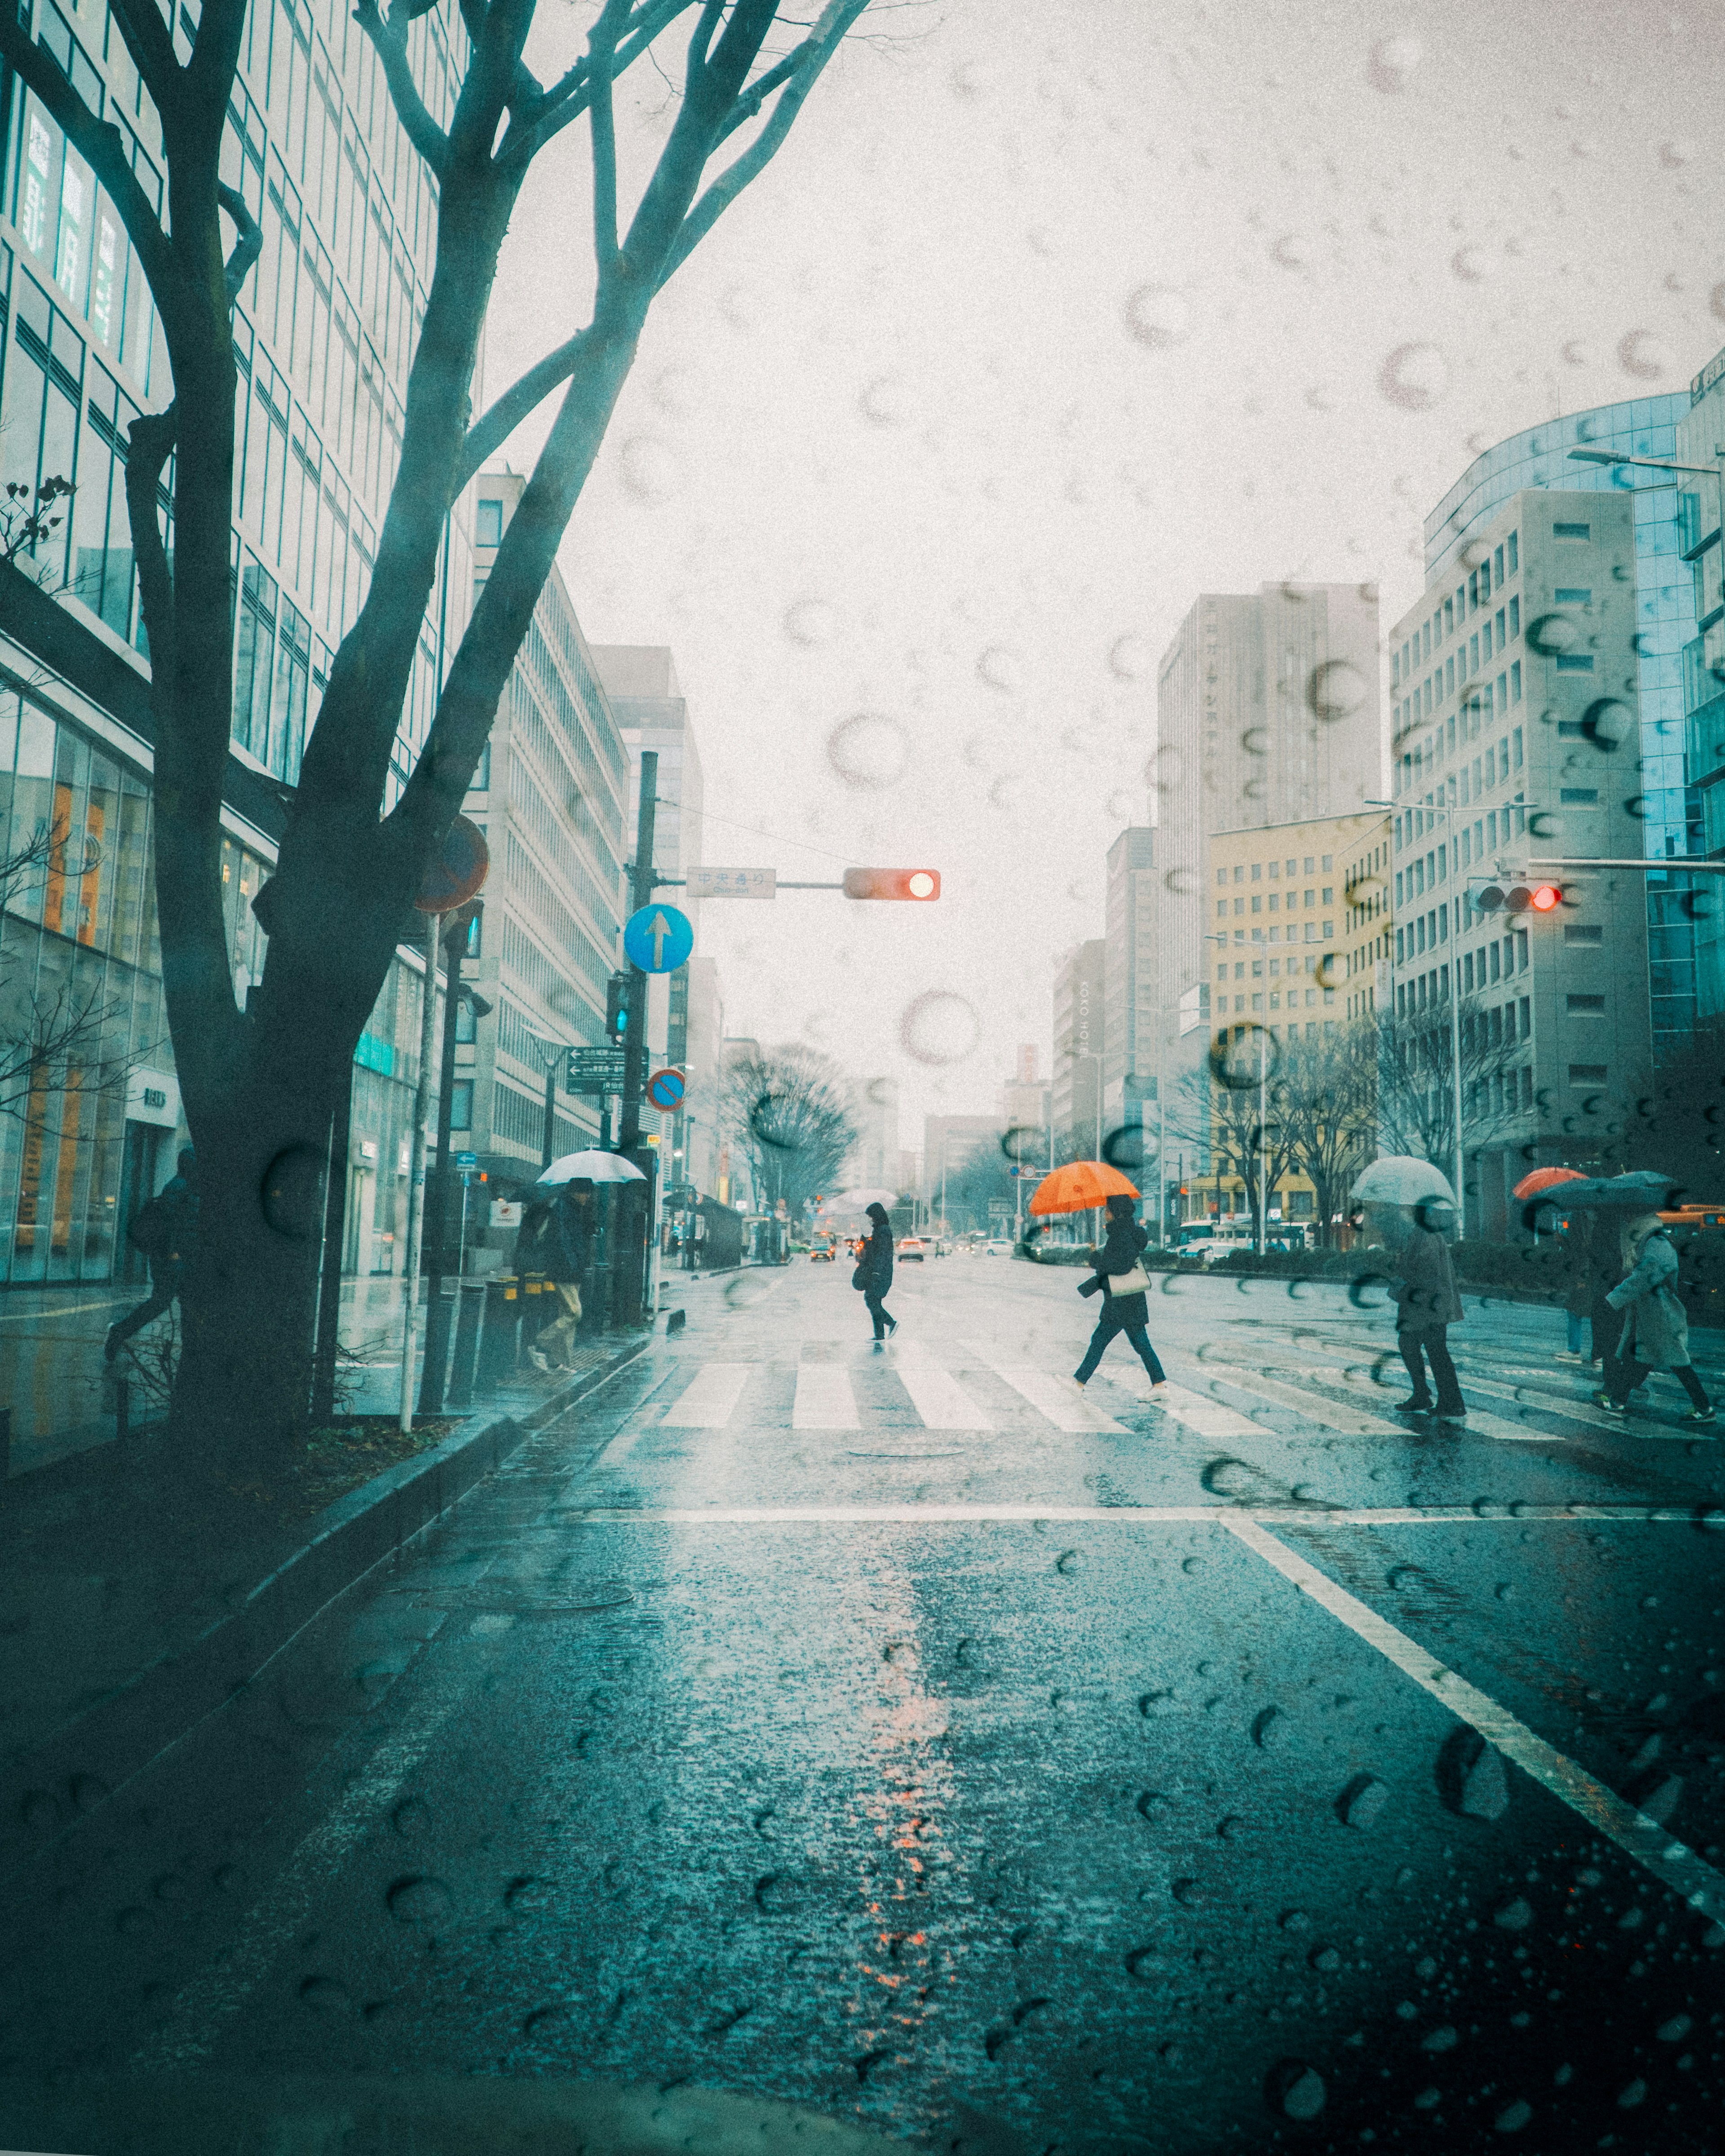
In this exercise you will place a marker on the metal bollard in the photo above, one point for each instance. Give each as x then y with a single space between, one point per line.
469 1310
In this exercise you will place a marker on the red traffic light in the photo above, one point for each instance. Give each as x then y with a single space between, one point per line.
916 884
1545 896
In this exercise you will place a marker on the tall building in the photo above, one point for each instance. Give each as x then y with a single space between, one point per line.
1077 1076
1025 1102
324 333
877 1159
1699 432
1668 675
948 1142
1517 741
1268 712
1297 919
1131 979
549 795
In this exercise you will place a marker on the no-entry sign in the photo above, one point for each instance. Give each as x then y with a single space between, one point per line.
665 1090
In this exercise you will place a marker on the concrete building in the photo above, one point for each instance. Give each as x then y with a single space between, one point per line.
1078 1074
877 1162
1284 939
549 795
324 333
1669 673
1132 977
948 1141
1699 432
1024 1104
1517 739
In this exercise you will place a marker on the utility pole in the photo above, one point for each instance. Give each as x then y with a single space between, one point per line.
335 1239
416 1179
438 1188
642 884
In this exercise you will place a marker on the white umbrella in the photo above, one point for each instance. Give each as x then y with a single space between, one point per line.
860 1198
1400 1179
595 1166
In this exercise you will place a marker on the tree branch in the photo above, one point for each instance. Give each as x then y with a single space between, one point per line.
798 75
150 440
389 41
247 246
101 147
150 44
567 99
493 429
701 44
601 55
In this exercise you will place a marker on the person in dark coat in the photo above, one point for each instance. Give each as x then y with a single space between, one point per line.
874 1267
552 1241
165 1230
1654 1324
1427 1306
1129 1314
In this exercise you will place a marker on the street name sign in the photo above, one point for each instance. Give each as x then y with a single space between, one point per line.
665 1090
658 938
467 1160
732 883
594 1070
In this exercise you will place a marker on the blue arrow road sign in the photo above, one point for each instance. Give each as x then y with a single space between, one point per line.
658 939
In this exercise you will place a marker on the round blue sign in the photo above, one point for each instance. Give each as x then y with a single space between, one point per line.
658 939
665 1090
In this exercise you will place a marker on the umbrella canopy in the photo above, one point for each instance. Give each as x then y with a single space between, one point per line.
1544 1178
1646 1192
857 1198
1080 1186
1401 1179
595 1166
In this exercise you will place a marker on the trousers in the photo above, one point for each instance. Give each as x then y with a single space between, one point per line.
164 1287
555 1340
878 1311
1631 1373
1137 1337
1434 1341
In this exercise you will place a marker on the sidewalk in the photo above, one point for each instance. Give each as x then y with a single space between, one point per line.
125 1620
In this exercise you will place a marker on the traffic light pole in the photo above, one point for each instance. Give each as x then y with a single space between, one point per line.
632 1298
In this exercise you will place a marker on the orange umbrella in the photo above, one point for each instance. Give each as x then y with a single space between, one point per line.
1080 1186
1543 1178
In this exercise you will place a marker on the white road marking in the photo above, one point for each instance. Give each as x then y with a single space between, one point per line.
1479 1421
940 1399
1384 1516
1672 1863
707 1403
1205 1418
1057 1398
1353 1422
1583 1411
825 1399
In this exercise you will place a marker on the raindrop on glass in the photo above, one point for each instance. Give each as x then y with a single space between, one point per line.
1129 657
326 1995
999 668
810 622
1292 252
1415 377
1392 62
1472 265
1336 690
939 1026
1643 355
419 1899
886 402
868 751
1678 152
1158 316
650 470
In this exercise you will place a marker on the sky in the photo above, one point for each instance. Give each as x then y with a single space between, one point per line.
1049 315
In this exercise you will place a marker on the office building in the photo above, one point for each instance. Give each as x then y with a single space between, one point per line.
1517 744
1131 979
1699 913
549 795
1296 921
1666 676
1025 1103
1077 1076
877 1160
324 332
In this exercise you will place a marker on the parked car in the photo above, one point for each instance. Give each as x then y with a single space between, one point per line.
910 1247
996 1248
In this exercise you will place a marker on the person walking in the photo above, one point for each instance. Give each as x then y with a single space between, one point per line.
874 1273
1427 1306
1655 1327
553 1240
164 1230
1122 1280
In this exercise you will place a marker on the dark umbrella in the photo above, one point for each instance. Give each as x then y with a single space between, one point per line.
1647 1191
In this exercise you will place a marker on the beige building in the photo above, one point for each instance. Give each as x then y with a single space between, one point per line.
1287 947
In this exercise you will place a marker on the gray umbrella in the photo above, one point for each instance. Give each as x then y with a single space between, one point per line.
1400 1179
1647 1191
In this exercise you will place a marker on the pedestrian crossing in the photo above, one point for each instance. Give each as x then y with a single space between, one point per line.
979 1387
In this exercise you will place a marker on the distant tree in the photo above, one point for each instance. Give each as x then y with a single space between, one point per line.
1326 1098
1229 1104
788 1111
54 1027
1416 1089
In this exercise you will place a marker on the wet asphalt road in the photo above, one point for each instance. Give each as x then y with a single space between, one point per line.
903 1736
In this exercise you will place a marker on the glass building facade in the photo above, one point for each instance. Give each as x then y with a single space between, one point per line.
1666 604
1700 432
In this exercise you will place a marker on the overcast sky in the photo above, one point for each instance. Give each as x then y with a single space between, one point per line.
1052 314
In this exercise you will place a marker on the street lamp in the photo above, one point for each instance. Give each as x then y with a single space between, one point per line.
559 1050
1654 464
1453 974
1263 1126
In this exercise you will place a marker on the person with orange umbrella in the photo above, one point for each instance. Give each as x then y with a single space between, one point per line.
1120 1280
1539 1194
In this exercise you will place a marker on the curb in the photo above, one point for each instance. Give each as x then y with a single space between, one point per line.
87 1759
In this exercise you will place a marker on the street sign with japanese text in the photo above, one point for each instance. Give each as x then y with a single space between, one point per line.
594 1070
732 883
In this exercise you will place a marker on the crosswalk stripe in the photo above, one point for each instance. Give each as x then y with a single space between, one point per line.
1353 1422
940 1399
825 1399
1204 1418
707 1403
1054 1397
1578 1411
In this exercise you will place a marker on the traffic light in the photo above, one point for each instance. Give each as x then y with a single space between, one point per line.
617 1006
918 884
1517 897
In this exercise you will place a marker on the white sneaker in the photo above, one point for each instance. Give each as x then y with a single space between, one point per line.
539 1361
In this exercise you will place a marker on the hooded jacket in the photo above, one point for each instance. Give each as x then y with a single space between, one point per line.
1426 1293
1656 1329
875 1264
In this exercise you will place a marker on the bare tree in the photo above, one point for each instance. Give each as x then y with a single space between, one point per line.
1416 1090
261 1084
1327 1102
1230 1105
55 1030
788 1111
